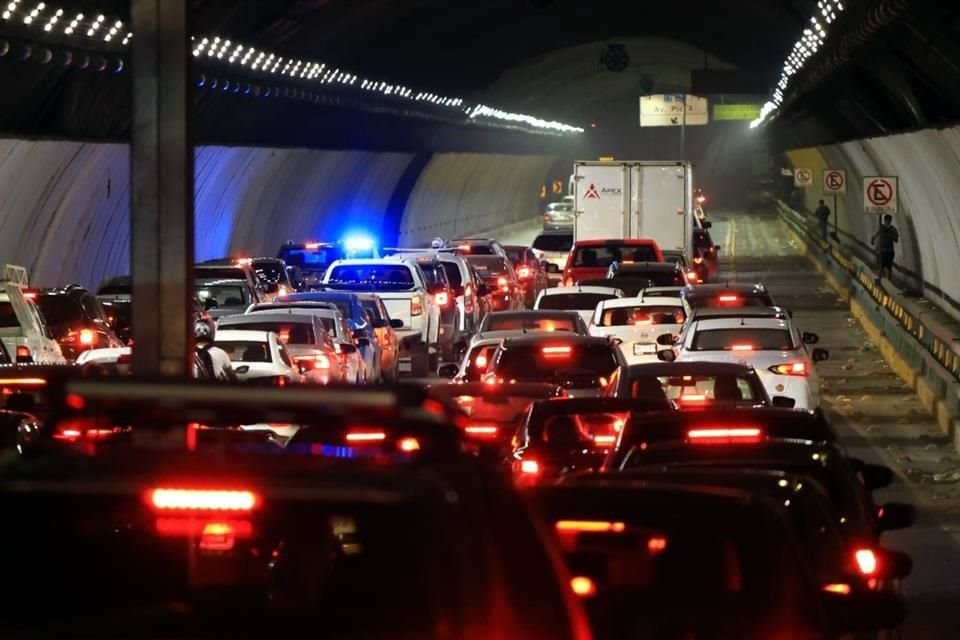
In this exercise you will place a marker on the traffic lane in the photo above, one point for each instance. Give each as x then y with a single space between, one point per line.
877 415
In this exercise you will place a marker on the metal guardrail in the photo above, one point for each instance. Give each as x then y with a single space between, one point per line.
939 340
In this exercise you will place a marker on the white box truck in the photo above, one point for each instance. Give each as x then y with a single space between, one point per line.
634 200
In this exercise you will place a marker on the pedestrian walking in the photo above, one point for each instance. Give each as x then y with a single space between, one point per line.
885 240
823 216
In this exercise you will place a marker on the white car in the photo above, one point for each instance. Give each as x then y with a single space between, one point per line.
583 300
552 249
772 346
258 354
638 323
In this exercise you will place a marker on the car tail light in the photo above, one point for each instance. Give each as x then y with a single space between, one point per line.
30 295
729 298
656 544
791 369
87 337
840 588
723 435
589 526
408 445
529 467
693 277
23 352
316 361
366 436
468 290
482 361
503 284
568 282
191 527
557 351
693 398
698 260
523 272
312 246
22 382
217 536
174 499
416 306
866 561
483 431
741 347
282 291
583 586
604 440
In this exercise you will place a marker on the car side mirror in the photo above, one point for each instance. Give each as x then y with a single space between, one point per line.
210 303
819 355
862 610
379 324
396 323
667 355
363 342
875 476
665 340
783 402
449 370
896 515
242 369
809 338
347 348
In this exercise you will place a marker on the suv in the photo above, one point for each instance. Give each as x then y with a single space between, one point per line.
477 247
75 320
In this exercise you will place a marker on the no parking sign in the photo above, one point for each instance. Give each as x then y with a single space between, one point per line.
880 194
834 182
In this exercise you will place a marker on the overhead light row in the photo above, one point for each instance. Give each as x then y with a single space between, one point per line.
98 27
810 41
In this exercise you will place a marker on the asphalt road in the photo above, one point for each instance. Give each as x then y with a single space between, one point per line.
879 417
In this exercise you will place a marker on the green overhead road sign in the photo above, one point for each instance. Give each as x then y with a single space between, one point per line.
736 111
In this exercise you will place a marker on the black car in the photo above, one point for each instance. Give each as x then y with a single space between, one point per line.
678 561
728 295
219 532
76 320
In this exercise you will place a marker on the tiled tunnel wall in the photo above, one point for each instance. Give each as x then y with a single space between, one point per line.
65 206
928 166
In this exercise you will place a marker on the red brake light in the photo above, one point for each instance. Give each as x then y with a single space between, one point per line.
790 369
866 561
741 347
503 283
30 295
23 351
217 536
583 586
557 351
366 436
464 247
442 298
693 398
723 435
529 467
468 290
282 291
656 544
482 430
25 382
482 361
589 526
313 246
698 259
87 337
604 440
837 587
729 298
203 499
408 445
523 272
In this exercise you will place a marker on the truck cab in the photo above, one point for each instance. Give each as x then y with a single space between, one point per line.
22 329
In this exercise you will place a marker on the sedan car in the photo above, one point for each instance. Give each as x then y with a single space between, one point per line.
225 297
729 296
773 347
258 355
582 299
696 385
637 323
551 249
558 216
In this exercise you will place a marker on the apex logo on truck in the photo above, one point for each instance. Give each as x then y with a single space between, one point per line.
606 191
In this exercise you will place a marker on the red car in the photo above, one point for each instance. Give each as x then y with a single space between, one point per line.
590 259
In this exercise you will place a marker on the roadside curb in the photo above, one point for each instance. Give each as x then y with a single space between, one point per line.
935 386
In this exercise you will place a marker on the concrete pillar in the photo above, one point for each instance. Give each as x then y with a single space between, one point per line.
161 161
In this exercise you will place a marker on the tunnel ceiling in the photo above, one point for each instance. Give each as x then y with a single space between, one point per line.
542 57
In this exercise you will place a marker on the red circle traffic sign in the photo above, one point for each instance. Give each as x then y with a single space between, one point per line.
880 192
835 180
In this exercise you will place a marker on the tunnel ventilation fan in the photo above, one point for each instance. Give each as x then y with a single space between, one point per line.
614 57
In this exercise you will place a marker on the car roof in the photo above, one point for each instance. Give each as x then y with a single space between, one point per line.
555 291
515 247
265 316
641 267
497 336
763 481
243 334
709 313
486 258
534 313
372 261
741 323
221 281
631 242
661 290
300 310
731 287
617 303
564 338
790 452
315 296
684 368
482 389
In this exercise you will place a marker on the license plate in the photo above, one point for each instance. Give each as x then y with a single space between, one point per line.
644 349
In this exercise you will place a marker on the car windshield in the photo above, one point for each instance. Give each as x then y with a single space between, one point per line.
553 242
696 389
310 259
573 301
245 351
433 273
223 295
743 339
8 318
641 316
509 322
58 309
605 255
453 275
288 332
385 277
551 362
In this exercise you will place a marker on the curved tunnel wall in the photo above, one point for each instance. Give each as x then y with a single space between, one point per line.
928 166
65 206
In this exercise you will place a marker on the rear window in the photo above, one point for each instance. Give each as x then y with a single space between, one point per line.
694 390
658 277
573 301
549 362
468 248
535 323
119 315
453 274
220 273
8 318
553 242
515 254
743 340
224 295
642 316
311 259
371 307
243 351
488 267
57 309
730 301
433 274
605 255
288 332
386 277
